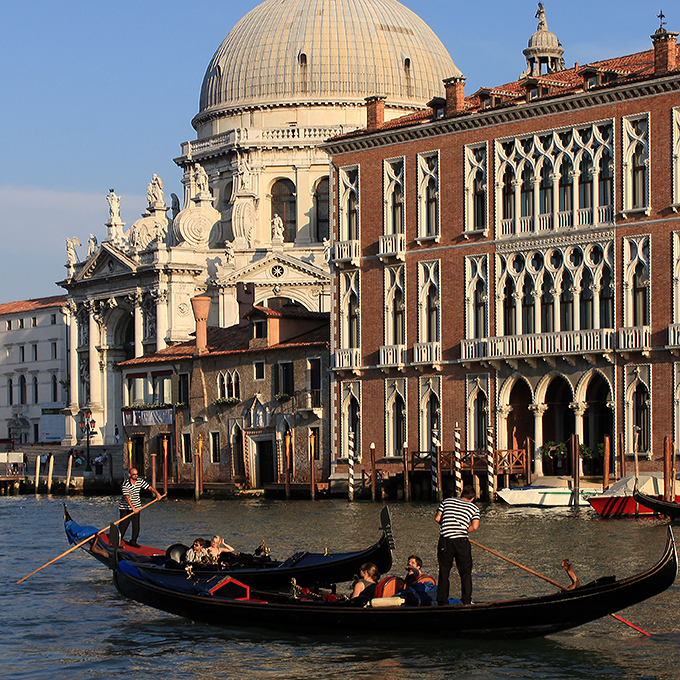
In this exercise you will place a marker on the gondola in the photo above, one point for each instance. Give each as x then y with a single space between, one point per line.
657 504
229 603
257 570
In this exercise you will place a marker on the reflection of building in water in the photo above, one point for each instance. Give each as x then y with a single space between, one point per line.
266 105
517 239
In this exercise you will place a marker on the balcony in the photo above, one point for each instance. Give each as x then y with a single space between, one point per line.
392 356
427 354
392 245
635 339
308 400
347 359
347 252
545 346
674 338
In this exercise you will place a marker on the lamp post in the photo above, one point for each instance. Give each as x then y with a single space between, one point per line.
87 425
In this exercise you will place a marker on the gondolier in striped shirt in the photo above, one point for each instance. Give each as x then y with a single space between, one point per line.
457 517
131 502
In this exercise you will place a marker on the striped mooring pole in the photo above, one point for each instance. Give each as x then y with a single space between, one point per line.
433 458
490 481
350 465
457 460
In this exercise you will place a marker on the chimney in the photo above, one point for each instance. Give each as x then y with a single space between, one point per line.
664 51
375 112
201 307
455 95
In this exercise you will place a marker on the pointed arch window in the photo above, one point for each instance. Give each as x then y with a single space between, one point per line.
547 307
585 184
640 308
567 304
353 319
641 417
508 195
22 389
221 387
545 192
432 322
587 300
528 324
566 187
527 192
480 421
479 319
509 325
233 385
639 178
605 180
606 300
321 210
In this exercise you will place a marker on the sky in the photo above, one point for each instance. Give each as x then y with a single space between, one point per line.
96 97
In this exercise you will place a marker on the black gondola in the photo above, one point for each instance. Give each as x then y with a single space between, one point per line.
656 504
231 604
258 571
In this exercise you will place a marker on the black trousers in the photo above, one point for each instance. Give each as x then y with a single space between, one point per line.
448 550
122 527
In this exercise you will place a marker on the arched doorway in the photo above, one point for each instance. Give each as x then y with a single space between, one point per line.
520 422
558 422
597 423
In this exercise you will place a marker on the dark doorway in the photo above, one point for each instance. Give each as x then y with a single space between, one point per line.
520 419
266 462
138 456
597 423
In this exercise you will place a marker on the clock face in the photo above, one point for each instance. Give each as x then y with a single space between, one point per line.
183 309
277 271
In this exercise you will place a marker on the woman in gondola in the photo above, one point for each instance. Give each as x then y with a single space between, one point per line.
364 588
217 547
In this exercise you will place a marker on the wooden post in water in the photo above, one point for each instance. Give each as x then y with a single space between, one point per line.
37 472
153 470
197 488
373 475
605 464
200 463
667 468
407 466
286 443
673 475
575 467
312 477
636 443
528 460
165 465
69 465
130 453
440 486
621 455
50 470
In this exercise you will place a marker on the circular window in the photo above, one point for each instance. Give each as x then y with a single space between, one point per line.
277 271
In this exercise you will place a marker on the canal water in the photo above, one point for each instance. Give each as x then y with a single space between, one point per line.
68 621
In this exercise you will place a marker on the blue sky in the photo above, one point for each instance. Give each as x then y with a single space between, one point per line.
98 96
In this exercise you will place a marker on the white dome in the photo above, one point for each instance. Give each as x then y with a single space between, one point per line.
288 52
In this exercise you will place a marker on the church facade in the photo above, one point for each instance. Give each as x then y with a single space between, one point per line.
512 275
251 222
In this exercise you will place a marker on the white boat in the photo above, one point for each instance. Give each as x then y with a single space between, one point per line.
539 495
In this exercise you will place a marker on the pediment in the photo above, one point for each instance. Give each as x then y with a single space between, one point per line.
277 268
105 262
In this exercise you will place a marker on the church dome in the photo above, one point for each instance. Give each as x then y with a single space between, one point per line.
290 52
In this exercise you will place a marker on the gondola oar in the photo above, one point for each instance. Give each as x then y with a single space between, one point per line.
549 580
89 538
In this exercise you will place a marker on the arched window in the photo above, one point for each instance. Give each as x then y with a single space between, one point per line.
567 304
321 209
545 194
431 207
432 321
10 392
22 389
284 205
528 325
566 187
353 425
639 178
508 195
606 300
221 391
397 210
527 193
641 418
605 191
398 318
233 385
481 412
432 422
35 389
585 184
479 201
547 307
509 309
398 422
640 310
353 322
479 330
586 310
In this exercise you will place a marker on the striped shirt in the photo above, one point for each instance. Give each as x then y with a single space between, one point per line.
132 490
457 515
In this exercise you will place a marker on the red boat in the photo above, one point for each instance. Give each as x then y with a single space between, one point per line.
618 500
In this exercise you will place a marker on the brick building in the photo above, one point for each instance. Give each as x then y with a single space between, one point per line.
242 390
509 263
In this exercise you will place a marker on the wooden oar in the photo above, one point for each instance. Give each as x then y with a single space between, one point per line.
89 538
549 580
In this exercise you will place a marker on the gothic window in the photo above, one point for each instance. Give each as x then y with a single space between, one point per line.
479 327
283 204
509 308
508 195
428 196
394 306
545 192
233 385
349 310
636 163
566 187
394 196
586 307
395 416
429 302
640 316
527 193
585 184
351 419
475 188
641 418
636 259
353 322
321 210
349 204
221 388
567 304
547 307
605 188
528 325
432 315
35 390
481 411
606 300
22 389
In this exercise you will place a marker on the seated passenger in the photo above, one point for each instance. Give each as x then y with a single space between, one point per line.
197 554
217 547
364 588
414 567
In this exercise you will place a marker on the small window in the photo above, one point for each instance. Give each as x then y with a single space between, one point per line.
54 350
186 448
36 432
258 370
34 352
8 325
21 323
55 389
22 354
214 447
282 374
303 59
259 329
34 321
183 388
53 319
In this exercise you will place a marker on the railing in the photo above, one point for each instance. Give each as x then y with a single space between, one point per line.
635 338
584 216
474 349
605 214
392 355
508 226
526 224
427 353
347 358
545 222
306 400
674 335
392 245
565 219
567 342
348 251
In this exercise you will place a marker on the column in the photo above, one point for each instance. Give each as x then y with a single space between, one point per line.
538 411
161 297
136 299
74 379
95 373
579 408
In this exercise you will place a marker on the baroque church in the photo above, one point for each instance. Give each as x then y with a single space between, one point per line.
252 223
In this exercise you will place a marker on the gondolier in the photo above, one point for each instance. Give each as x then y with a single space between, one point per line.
131 502
457 517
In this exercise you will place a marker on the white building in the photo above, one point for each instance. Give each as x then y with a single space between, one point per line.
33 359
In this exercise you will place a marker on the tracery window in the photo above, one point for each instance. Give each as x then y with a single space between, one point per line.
636 189
636 263
475 187
476 298
393 179
429 306
428 196
430 411
349 203
349 310
395 416
395 329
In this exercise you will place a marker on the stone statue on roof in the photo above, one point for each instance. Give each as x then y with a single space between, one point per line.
114 207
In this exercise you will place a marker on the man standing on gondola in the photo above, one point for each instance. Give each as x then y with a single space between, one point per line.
131 502
457 517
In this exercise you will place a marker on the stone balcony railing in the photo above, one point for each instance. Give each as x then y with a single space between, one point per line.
392 245
347 251
392 356
635 338
674 335
427 353
348 359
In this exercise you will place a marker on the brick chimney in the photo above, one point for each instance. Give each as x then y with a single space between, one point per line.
455 95
665 51
375 112
201 307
